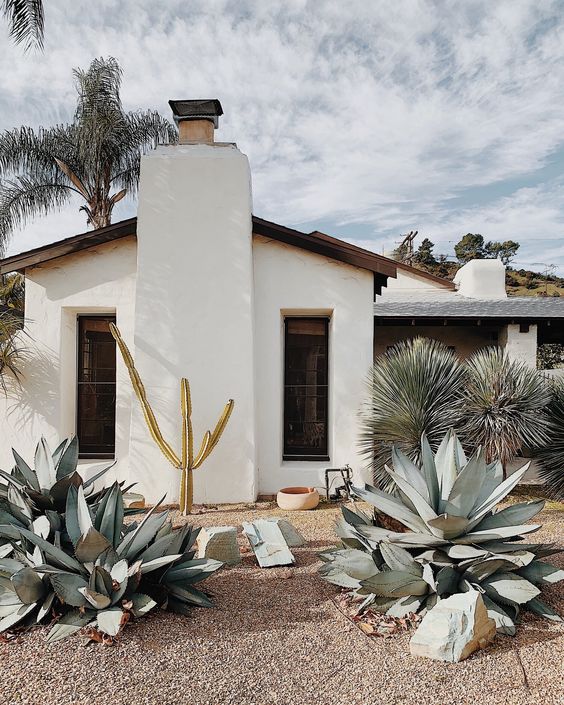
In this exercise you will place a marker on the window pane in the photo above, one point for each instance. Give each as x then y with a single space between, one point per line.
306 387
96 408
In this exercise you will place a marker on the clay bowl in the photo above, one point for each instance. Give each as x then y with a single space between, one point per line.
297 498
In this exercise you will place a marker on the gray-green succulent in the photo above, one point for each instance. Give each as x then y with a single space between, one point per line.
455 540
78 564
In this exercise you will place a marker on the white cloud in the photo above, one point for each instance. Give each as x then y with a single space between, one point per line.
376 114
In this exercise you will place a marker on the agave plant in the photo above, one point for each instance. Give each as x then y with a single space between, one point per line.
455 540
109 573
413 389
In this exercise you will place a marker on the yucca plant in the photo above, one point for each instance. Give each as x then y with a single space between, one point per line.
94 572
414 388
550 457
504 405
455 540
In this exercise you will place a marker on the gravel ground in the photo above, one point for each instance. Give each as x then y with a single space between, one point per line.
277 638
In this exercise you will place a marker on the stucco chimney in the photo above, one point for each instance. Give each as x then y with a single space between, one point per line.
482 279
196 120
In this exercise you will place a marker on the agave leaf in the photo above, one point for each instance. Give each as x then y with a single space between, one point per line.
503 622
12 619
357 518
162 546
68 460
497 495
496 534
430 473
28 586
134 542
9 566
447 581
45 607
436 557
391 506
406 469
480 570
190 595
44 467
335 574
58 556
517 559
142 604
26 471
398 558
107 559
395 583
77 515
88 483
41 526
60 489
119 571
426 512
447 465
111 520
466 487
356 564
416 540
70 623
96 599
461 552
59 451
447 526
67 587
11 480
511 516
101 581
19 506
194 571
405 605
540 573
539 607
91 545
110 621
157 563
508 587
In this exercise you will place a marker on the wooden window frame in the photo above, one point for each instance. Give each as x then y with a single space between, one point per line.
323 454
79 336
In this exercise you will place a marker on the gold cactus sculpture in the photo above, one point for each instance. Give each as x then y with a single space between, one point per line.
187 462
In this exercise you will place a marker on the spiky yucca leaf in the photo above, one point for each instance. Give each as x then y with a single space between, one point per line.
456 540
551 455
413 389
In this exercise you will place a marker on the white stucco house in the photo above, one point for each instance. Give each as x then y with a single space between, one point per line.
286 323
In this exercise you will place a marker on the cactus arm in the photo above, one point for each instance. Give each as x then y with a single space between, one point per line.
203 452
139 389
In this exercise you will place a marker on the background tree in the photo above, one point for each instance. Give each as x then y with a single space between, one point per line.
424 254
26 21
96 157
505 251
471 246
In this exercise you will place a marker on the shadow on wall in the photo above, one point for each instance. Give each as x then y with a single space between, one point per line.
37 396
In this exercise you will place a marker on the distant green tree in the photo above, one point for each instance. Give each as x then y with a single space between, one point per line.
505 251
424 254
470 247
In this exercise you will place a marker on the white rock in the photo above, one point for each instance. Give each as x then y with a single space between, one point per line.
291 535
219 543
454 628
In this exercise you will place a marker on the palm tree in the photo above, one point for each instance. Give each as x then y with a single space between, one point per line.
12 292
96 157
504 405
26 21
11 352
414 388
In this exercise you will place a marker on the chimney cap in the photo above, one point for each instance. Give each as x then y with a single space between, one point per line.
196 110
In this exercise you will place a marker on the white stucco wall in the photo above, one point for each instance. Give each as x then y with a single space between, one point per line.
194 316
482 279
466 340
410 285
520 346
98 280
290 281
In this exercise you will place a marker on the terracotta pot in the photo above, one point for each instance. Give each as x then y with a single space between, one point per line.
297 498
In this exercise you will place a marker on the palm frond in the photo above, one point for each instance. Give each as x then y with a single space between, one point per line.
27 21
504 405
551 456
12 354
22 199
414 388
12 291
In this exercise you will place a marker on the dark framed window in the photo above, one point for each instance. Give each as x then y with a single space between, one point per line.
96 405
306 388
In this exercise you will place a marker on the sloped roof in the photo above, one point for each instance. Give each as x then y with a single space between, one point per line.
316 242
457 306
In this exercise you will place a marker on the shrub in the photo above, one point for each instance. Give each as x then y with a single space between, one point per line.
551 457
455 541
68 555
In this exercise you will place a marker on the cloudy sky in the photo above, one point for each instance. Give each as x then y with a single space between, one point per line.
361 119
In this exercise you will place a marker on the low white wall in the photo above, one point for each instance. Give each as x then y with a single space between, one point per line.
290 281
520 346
99 280
409 284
